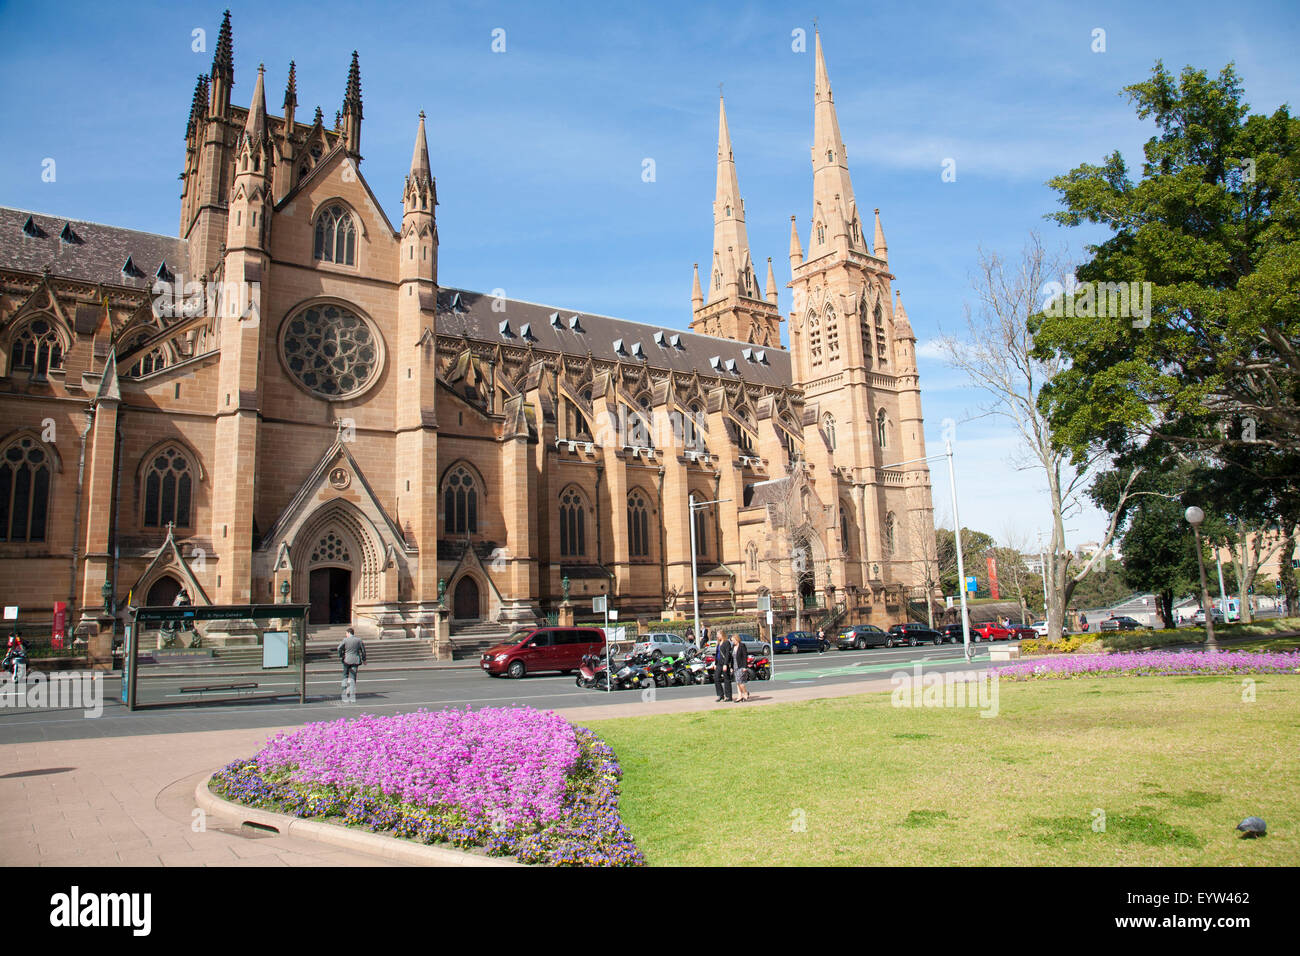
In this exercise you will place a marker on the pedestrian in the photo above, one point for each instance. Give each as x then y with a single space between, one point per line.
16 658
704 637
821 639
352 654
690 636
722 668
1083 622
740 666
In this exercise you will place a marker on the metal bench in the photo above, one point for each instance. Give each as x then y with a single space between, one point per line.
252 685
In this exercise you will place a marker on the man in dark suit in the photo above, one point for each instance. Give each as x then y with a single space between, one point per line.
722 668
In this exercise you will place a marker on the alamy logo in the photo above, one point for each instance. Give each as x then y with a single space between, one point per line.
950 689
1101 300
75 908
57 690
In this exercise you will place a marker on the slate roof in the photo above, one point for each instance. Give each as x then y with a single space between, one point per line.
461 312
75 249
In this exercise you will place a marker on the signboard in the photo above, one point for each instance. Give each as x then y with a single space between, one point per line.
949 600
275 649
60 630
765 603
598 604
11 612
971 584
993 576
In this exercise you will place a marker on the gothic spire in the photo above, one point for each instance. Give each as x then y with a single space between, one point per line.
350 115
223 62
418 193
878 247
291 90
832 188
770 292
697 297
730 241
796 250
255 125
199 107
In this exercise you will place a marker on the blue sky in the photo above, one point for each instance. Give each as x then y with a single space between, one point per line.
538 151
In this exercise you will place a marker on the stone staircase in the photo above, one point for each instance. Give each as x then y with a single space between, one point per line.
469 641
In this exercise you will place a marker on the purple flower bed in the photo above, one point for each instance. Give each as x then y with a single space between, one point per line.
1149 663
512 781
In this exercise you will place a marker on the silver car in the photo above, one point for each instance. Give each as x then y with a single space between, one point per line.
668 645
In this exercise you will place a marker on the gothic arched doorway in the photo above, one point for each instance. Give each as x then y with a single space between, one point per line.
465 599
331 596
163 592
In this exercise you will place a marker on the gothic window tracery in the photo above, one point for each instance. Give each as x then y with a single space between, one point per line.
331 351
638 525
37 348
336 236
24 490
573 524
168 489
460 502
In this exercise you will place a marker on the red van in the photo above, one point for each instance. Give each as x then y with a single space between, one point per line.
543 649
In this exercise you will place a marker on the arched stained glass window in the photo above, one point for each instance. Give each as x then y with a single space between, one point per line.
573 524
638 525
168 485
37 348
336 236
24 491
460 502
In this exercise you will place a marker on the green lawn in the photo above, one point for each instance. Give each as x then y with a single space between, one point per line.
1175 764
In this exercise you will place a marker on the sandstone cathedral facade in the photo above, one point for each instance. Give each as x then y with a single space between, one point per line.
285 402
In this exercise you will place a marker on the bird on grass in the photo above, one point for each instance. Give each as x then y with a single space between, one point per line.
1252 827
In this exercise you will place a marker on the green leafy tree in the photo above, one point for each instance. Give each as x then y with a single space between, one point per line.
1212 225
975 547
1160 553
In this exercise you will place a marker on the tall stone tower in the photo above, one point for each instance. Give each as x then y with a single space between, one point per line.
854 356
735 308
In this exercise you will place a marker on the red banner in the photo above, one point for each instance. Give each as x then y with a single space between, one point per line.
60 625
993 577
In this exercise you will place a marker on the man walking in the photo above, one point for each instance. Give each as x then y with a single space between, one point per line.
352 653
722 663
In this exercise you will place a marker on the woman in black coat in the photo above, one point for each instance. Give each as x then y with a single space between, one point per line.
739 662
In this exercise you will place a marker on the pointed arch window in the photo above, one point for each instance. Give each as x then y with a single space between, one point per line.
751 557
717 279
336 236
701 533
821 233
638 525
814 338
846 538
828 425
37 348
148 363
832 334
573 524
24 491
460 502
168 487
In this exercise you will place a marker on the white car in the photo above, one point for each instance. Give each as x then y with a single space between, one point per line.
1040 628
668 645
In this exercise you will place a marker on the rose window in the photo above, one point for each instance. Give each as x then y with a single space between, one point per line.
331 351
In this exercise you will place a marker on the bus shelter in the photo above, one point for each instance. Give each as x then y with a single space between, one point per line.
215 654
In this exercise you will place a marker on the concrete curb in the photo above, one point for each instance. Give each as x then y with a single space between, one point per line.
393 849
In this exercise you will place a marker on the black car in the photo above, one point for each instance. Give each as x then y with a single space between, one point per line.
952 634
1120 623
913 634
861 636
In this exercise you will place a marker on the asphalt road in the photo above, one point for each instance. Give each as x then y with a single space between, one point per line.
397 689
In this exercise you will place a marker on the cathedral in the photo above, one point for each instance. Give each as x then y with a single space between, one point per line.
285 403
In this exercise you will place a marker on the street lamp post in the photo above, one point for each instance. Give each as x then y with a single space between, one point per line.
694 506
961 565
1195 516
